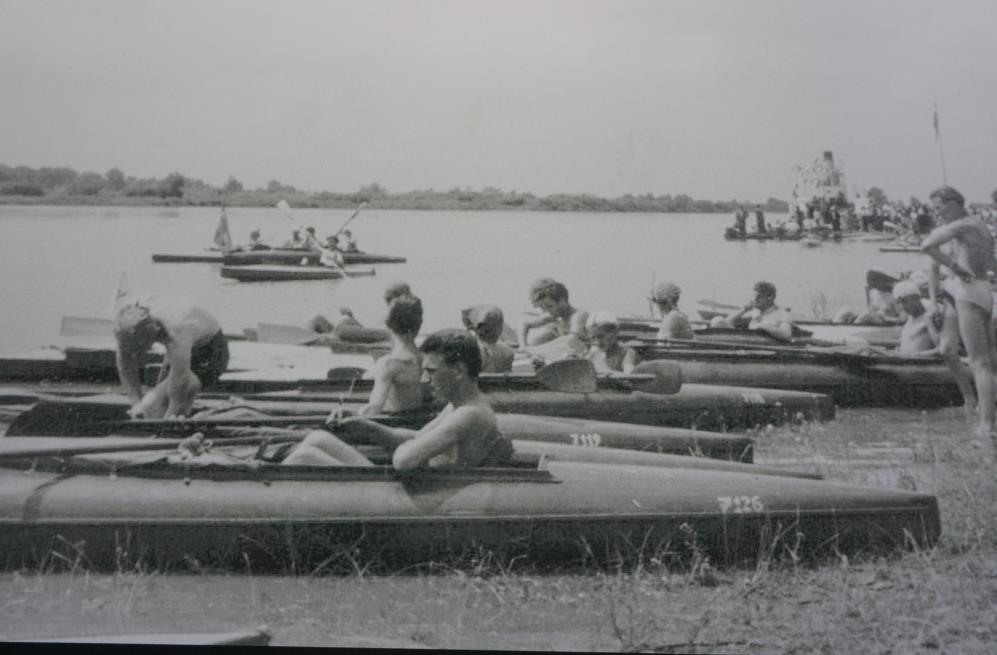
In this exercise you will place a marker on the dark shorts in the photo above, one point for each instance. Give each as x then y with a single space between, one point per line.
207 361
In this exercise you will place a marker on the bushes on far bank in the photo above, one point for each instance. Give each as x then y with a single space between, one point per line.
64 186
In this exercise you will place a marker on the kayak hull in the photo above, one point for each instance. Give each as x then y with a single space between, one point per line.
295 257
290 273
277 256
336 518
851 379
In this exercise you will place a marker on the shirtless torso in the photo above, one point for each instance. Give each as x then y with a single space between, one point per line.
397 385
675 325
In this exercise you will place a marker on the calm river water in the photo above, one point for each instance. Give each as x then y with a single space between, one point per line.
66 261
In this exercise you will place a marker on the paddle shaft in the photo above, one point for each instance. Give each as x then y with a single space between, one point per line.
348 220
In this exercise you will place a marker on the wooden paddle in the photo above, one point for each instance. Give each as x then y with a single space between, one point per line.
352 216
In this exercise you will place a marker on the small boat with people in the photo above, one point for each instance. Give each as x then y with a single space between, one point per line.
274 256
291 273
240 505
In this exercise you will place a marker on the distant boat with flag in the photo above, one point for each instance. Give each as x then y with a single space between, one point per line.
225 252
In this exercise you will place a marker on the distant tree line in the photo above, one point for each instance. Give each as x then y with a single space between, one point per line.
62 185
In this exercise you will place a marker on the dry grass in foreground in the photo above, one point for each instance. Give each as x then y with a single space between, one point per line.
938 601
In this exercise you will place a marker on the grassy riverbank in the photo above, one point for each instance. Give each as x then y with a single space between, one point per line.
942 600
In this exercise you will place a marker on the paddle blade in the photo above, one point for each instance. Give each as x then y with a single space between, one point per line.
667 377
569 375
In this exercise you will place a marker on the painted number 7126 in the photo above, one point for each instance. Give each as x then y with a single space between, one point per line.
740 504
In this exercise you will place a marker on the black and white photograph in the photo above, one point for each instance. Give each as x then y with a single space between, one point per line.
552 325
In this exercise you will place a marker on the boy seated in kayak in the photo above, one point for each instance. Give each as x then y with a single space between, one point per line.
919 336
295 242
486 322
560 327
674 323
760 314
606 353
255 243
465 433
398 375
196 352
349 244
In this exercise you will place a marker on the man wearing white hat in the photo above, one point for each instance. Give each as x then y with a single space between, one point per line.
674 323
606 353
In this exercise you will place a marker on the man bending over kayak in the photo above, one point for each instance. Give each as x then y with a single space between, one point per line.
465 433
559 324
196 352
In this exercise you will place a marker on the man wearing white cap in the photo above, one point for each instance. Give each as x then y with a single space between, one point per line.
606 353
919 336
674 323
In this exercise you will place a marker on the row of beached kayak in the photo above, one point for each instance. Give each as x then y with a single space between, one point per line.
603 470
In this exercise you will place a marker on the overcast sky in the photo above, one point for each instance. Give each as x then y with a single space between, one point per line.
717 99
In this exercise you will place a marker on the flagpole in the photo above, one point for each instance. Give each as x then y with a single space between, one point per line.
941 149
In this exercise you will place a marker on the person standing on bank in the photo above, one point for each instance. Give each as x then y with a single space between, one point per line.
196 352
970 258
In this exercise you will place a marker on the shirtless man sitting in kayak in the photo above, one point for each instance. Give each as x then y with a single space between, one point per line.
674 323
760 314
397 375
486 322
465 433
607 354
196 352
970 258
559 327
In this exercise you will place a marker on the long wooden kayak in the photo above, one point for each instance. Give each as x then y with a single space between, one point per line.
810 333
96 362
99 415
276 256
227 508
289 273
207 257
851 379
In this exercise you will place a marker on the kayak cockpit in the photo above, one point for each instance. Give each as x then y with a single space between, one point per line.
252 463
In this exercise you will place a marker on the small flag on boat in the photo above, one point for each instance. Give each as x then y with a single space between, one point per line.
222 237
